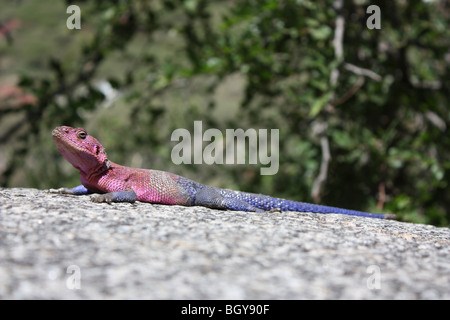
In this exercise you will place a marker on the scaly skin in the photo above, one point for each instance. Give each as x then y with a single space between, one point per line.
116 183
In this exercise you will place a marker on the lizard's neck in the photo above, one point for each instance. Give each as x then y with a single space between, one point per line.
93 173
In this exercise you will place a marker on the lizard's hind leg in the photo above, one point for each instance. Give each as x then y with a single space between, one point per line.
210 197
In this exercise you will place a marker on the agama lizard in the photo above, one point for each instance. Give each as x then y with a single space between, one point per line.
116 183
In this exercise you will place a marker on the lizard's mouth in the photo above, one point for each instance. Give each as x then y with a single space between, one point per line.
68 145
61 138
56 132
85 155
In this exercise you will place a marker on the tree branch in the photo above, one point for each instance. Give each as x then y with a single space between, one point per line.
338 43
362 72
323 173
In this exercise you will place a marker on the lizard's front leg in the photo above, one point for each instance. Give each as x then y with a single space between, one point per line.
118 196
79 190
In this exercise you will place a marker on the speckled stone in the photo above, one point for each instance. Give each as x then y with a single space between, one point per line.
50 244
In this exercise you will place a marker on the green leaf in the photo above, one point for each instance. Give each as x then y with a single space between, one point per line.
321 33
319 104
343 139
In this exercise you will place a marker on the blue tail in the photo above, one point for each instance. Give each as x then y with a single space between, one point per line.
268 203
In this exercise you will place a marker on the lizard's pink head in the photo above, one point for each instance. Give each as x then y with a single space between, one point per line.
83 151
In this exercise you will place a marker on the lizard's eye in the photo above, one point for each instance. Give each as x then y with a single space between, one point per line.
81 135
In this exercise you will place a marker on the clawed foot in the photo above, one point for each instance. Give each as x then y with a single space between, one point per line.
99 198
59 191
118 196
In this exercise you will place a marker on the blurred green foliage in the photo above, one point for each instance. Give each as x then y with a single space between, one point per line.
245 64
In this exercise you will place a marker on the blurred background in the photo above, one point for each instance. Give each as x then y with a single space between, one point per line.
363 113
